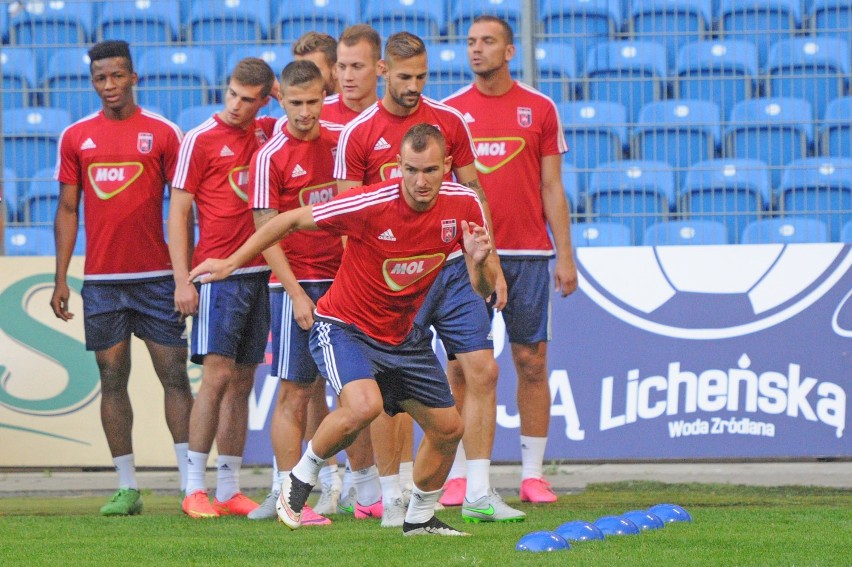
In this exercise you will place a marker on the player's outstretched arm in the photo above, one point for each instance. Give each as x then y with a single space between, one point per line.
65 233
477 248
271 232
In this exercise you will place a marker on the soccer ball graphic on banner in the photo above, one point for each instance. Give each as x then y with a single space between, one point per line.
710 292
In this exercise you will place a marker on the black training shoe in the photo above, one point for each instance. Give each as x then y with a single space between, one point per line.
432 527
291 499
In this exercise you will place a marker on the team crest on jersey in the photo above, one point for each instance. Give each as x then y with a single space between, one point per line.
145 142
448 230
524 117
494 153
110 179
390 171
317 194
400 273
261 136
238 178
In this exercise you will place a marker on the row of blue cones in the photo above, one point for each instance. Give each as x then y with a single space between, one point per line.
629 523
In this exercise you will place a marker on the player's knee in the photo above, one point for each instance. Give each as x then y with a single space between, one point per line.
531 366
449 431
484 377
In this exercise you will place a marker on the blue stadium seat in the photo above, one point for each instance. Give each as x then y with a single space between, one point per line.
44 26
773 130
4 26
600 234
173 78
733 191
634 193
819 188
291 20
846 233
630 72
788 230
30 241
681 132
556 69
80 243
724 72
11 195
676 23
30 137
424 18
596 132
761 21
463 14
276 55
685 233
141 22
815 69
68 83
222 25
18 68
580 23
42 197
836 131
831 18
191 117
448 69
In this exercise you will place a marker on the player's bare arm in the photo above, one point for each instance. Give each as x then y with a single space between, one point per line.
556 212
270 233
65 228
180 238
478 248
303 306
345 185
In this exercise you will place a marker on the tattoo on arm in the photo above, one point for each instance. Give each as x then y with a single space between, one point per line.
262 216
474 184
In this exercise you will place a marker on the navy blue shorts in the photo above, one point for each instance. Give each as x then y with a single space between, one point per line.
527 311
291 348
232 319
406 371
460 316
112 311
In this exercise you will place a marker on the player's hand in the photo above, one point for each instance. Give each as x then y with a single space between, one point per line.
59 302
303 311
477 241
565 276
210 270
186 299
501 291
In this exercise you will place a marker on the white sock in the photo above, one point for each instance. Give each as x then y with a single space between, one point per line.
125 466
390 488
459 468
196 465
422 506
347 479
328 477
279 478
276 480
406 475
478 482
368 491
180 454
532 456
227 476
308 467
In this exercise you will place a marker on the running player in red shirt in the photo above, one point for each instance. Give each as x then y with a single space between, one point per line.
519 131
294 169
231 322
119 161
365 341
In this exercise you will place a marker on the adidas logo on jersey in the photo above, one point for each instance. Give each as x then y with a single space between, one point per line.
88 145
298 171
468 118
382 144
387 235
226 151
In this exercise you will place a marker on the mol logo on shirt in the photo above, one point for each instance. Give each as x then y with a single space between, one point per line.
494 153
316 194
400 273
238 178
110 179
390 171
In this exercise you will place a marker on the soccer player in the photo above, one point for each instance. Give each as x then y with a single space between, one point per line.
366 154
359 66
364 339
119 161
293 169
502 111
231 323
320 48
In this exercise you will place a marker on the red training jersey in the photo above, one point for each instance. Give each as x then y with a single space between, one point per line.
370 143
512 133
213 165
122 167
288 173
393 254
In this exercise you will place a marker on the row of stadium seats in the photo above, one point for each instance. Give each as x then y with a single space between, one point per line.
39 241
